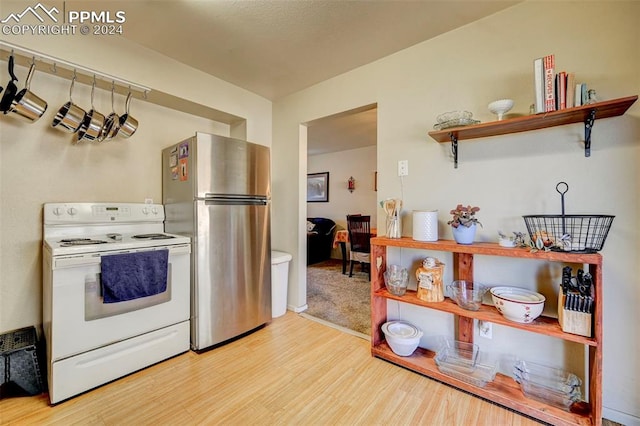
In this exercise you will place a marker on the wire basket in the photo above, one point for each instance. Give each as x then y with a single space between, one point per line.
574 233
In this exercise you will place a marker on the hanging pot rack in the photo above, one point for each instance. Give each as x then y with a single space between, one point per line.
66 69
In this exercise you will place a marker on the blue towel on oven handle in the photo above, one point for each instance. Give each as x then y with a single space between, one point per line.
134 275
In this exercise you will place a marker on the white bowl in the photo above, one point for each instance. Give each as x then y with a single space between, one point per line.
517 304
402 337
506 242
501 107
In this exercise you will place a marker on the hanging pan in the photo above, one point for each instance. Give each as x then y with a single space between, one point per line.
11 89
112 123
128 124
26 104
70 116
91 127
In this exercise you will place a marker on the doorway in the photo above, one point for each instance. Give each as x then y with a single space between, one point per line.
344 147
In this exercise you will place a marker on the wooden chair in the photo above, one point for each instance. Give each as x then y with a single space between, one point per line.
359 228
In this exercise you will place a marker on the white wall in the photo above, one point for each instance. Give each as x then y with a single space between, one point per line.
39 164
359 163
507 176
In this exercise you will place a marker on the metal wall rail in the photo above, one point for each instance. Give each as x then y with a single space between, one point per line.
66 69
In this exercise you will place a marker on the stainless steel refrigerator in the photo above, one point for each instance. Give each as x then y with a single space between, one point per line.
216 190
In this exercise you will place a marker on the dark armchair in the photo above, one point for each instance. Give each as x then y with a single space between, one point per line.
319 239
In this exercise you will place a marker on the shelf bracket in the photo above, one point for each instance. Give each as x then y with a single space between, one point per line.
454 149
588 125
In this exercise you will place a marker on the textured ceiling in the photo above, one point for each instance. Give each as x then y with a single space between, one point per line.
277 47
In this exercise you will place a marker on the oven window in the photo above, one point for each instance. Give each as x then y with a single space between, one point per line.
94 308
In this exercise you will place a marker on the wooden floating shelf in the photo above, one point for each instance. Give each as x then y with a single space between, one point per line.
489 249
583 114
548 326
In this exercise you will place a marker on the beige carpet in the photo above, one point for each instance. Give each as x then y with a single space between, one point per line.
338 299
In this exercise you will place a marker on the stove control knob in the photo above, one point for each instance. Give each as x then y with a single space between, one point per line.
145 210
72 211
154 210
58 211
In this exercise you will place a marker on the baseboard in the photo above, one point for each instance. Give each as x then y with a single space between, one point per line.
620 417
298 309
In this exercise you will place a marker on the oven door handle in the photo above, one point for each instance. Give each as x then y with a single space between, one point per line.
67 262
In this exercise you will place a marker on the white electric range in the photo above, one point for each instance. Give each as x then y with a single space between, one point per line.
91 342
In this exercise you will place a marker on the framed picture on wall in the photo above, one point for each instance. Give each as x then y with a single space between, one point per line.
318 187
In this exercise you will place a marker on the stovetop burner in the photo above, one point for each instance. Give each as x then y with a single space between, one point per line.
153 236
80 242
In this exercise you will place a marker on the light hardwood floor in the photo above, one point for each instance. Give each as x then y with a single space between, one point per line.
293 371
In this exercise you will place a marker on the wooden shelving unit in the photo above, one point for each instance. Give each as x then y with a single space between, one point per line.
583 114
503 390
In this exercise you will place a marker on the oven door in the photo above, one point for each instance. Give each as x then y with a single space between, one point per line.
81 322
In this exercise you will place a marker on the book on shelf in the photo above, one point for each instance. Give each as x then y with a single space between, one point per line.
538 79
578 94
549 83
562 90
585 96
571 90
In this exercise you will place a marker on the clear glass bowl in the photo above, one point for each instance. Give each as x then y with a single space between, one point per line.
542 394
467 294
550 377
453 115
550 385
455 123
457 355
396 279
463 361
479 375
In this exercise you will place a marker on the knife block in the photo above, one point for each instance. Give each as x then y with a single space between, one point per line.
572 321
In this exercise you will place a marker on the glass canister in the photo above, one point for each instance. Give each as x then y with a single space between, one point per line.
429 276
393 227
392 207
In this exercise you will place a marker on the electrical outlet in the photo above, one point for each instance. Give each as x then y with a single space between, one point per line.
403 168
486 329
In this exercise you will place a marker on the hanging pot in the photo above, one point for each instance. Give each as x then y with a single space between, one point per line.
27 105
112 123
70 116
10 91
128 124
91 127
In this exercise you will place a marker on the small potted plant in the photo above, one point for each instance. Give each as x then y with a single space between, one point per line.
463 223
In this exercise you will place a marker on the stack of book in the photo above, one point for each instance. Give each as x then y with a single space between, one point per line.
556 90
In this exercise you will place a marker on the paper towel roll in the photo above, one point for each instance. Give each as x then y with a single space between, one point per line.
425 225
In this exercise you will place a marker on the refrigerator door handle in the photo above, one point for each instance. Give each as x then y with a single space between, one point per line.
235 202
211 196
